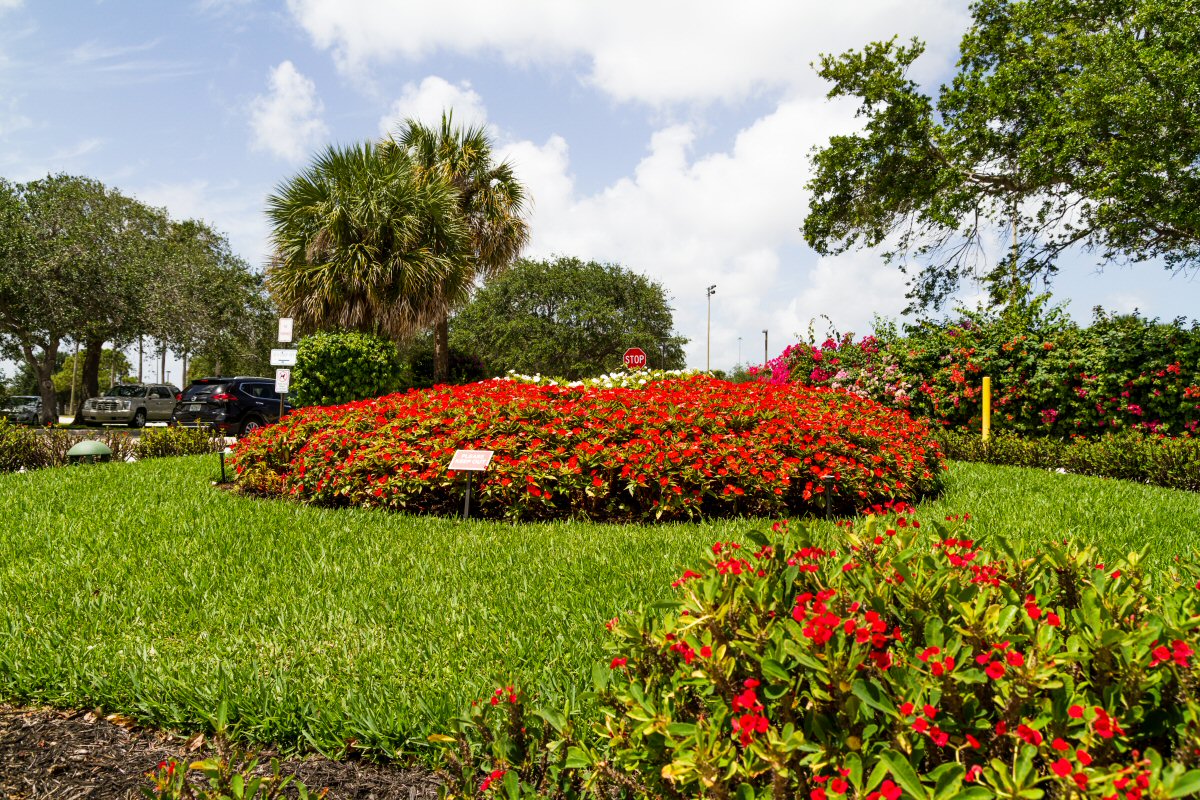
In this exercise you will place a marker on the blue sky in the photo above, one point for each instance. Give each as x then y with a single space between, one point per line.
670 137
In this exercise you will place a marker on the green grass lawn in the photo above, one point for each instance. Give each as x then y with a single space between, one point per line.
142 588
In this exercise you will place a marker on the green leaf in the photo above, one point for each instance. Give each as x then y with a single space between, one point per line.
873 696
904 774
1187 785
577 758
774 670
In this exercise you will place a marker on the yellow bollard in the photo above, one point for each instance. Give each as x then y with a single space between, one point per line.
987 408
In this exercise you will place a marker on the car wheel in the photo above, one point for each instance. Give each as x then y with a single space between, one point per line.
250 425
139 419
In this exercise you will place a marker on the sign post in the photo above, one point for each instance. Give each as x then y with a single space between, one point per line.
635 358
283 358
470 462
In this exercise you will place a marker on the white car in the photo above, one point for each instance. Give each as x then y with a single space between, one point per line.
132 405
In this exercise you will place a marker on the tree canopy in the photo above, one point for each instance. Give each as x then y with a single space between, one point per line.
1066 125
81 262
491 205
364 242
568 318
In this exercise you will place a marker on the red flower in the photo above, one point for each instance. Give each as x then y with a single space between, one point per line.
906 709
618 662
1053 620
929 710
1061 768
490 779
995 670
972 741
1075 712
839 786
1084 757
1059 744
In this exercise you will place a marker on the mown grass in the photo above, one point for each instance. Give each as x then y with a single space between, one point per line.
141 588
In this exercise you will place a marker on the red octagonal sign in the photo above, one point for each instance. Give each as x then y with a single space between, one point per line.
635 358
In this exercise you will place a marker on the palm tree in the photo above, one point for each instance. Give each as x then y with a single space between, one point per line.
366 241
491 205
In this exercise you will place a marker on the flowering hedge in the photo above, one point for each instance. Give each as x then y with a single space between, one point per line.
674 449
897 662
1049 376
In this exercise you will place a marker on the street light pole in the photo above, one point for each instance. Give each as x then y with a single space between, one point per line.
739 351
708 355
765 347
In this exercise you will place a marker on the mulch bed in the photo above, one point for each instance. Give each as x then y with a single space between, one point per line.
48 753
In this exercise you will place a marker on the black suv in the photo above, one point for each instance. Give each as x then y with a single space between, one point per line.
235 405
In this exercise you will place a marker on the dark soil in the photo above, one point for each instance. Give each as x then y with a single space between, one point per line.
47 753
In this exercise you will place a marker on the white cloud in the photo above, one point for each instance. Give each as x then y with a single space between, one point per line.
233 209
662 52
287 121
11 119
9 5
427 101
725 218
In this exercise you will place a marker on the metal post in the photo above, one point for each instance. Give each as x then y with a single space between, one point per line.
708 354
987 408
221 450
282 398
467 499
765 357
74 371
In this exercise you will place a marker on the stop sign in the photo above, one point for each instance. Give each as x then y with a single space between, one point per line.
635 358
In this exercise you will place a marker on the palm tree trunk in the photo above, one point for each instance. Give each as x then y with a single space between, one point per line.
441 348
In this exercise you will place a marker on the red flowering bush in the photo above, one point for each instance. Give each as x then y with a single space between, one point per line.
1049 375
674 449
898 662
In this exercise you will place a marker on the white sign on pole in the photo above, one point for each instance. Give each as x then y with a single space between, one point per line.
285 329
283 379
283 358
470 460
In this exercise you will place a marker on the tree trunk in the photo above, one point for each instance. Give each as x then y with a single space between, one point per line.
441 348
184 382
44 370
162 364
90 380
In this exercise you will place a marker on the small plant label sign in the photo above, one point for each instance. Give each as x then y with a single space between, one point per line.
470 460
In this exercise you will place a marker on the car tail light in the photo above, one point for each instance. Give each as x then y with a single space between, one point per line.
178 397
223 397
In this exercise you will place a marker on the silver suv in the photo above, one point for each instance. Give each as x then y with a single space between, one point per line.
132 405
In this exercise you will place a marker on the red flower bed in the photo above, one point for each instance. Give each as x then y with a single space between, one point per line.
674 449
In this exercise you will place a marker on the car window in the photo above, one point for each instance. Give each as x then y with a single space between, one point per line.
256 389
203 391
126 391
156 394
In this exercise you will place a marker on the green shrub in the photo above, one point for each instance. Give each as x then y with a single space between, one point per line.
1132 456
333 368
896 661
159 442
19 448
1050 377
